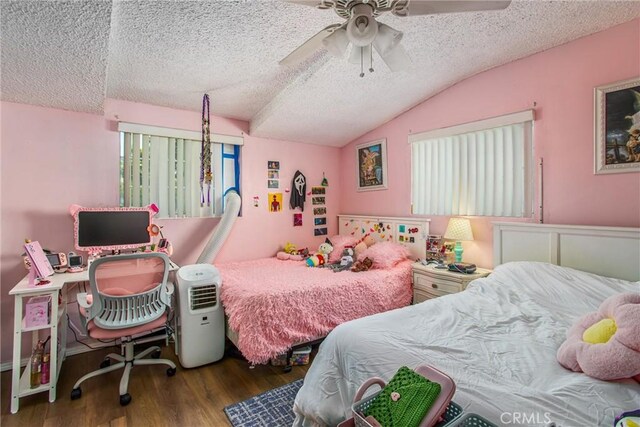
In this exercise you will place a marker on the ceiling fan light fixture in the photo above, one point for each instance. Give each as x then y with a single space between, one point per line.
337 43
360 54
362 27
396 59
387 39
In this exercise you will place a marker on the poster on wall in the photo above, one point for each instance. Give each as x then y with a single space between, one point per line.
318 190
297 220
273 174
273 164
320 231
320 221
275 202
320 211
273 183
371 165
617 127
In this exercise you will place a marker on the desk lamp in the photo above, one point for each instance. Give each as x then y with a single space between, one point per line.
458 229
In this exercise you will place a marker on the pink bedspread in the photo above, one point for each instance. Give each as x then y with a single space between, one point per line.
275 304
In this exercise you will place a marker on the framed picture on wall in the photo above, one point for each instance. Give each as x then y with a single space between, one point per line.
617 127
371 165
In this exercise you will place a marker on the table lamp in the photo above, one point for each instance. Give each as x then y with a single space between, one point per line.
458 229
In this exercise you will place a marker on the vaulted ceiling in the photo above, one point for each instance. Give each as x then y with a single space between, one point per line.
74 54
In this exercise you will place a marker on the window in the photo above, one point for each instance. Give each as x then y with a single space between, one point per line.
479 169
162 166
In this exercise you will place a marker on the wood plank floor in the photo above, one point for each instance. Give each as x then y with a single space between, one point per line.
193 397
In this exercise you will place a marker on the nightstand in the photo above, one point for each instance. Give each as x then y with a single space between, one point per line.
430 282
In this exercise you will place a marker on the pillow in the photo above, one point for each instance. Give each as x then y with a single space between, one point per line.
606 344
385 254
339 242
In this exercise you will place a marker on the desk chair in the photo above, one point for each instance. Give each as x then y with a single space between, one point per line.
129 296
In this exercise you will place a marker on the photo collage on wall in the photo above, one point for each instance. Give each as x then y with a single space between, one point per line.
318 204
273 174
274 199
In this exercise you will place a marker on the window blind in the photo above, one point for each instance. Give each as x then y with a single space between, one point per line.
165 171
479 173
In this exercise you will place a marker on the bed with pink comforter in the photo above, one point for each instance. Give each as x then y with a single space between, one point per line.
275 304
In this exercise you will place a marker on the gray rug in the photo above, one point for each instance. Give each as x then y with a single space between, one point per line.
271 408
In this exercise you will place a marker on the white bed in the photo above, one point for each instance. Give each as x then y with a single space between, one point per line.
500 344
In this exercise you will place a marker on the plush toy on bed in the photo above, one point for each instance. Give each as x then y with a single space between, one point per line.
291 252
319 259
363 265
367 241
345 262
628 419
606 344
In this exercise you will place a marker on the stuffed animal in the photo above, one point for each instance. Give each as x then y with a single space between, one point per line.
326 248
345 262
606 344
321 257
363 265
292 253
317 260
363 244
628 419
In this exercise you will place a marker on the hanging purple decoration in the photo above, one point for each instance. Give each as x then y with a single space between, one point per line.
206 176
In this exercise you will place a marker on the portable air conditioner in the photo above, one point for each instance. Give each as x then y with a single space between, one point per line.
200 321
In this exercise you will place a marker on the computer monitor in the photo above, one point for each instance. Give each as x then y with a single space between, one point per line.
100 229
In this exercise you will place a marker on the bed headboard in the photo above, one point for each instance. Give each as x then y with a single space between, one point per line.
410 232
607 251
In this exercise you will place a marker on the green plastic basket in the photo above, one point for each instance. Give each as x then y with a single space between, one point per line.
452 412
470 420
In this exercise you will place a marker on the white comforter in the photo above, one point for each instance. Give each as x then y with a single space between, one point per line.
497 340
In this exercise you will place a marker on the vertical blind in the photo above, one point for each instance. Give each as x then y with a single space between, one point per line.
479 173
165 171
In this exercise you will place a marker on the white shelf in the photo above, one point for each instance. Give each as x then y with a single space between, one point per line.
34 328
25 384
61 312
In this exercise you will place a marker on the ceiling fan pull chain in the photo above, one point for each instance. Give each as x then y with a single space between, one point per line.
361 61
370 59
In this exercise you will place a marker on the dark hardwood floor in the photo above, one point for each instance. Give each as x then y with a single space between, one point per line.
193 397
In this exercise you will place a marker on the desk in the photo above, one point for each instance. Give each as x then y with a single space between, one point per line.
20 384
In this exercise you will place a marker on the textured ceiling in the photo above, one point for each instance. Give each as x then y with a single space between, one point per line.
74 54
55 53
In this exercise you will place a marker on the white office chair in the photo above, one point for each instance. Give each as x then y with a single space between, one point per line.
130 295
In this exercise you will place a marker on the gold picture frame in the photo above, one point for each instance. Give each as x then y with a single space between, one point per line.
617 127
371 165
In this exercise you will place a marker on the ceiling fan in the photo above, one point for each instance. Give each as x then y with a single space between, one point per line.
364 33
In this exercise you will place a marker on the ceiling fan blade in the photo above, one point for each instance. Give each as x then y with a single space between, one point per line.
430 7
320 4
307 48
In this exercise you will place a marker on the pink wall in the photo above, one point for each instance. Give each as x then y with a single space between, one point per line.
53 158
258 232
560 82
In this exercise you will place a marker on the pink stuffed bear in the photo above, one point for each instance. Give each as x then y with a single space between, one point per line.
606 344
